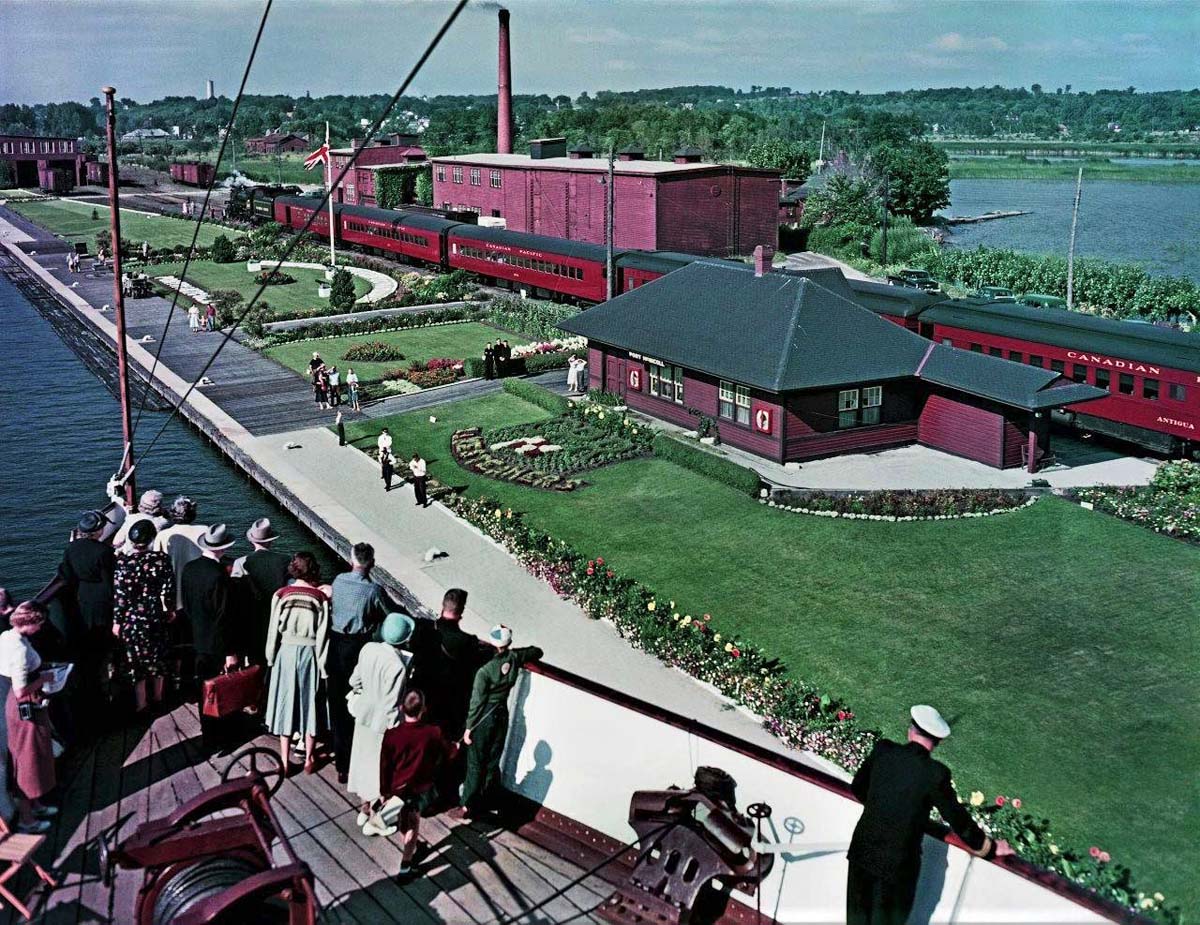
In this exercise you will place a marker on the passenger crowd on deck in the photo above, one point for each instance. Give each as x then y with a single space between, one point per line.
153 604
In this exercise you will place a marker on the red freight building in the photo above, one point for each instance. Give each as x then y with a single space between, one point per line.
54 164
277 143
793 370
386 151
683 204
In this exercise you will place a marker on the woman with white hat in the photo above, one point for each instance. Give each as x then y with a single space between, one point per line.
376 690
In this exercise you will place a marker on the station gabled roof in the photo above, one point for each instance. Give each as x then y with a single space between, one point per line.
1128 340
784 332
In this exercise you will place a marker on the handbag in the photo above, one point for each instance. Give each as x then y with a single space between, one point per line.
232 692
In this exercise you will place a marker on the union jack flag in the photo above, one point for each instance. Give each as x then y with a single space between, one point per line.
320 156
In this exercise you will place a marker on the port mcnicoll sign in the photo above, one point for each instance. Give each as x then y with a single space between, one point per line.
1111 363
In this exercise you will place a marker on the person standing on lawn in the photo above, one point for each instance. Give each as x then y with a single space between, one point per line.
898 786
417 467
489 362
352 388
487 718
358 609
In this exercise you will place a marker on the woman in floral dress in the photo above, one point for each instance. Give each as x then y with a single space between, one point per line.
143 605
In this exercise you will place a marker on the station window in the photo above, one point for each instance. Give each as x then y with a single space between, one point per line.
475 176
1035 360
996 352
441 174
1015 356
733 402
1177 392
1058 366
1150 389
1125 383
872 400
456 174
1103 379
667 383
977 348
494 178
848 408
1079 372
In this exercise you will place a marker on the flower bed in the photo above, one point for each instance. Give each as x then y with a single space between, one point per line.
1170 504
585 437
529 317
900 505
794 710
373 351
378 325
471 451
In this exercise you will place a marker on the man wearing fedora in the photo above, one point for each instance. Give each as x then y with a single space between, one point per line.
261 573
898 786
206 601
87 567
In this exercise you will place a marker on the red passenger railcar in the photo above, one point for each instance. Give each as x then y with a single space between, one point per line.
1152 374
294 211
409 235
542 266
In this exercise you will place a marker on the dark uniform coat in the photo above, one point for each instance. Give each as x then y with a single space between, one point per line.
266 572
898 785
88 567
487 719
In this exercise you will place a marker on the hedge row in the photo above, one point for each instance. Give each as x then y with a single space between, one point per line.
536 395
534 319
375 325
707 464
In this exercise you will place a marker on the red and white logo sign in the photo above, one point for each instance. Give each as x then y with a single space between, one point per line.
635 379
762 420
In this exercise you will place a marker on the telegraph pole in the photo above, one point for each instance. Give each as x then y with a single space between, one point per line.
608 223
119 295
1071 248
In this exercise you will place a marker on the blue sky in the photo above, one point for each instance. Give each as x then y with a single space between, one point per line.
66 49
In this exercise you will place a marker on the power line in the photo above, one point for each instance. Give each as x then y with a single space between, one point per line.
237 101
294 242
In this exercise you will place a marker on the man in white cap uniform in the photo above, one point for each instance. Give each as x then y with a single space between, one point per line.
487 718
898 786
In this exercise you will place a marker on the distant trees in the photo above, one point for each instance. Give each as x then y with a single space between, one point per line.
843 200
918 177
791 157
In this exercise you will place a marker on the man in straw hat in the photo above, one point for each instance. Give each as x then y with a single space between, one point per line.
261 573
898 786
206 601
487 717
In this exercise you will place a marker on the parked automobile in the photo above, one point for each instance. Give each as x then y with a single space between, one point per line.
1041 300
915 279
995 294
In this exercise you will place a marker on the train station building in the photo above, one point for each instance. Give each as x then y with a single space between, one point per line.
54 164
792 366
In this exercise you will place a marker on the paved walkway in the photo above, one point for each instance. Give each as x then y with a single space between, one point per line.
382 285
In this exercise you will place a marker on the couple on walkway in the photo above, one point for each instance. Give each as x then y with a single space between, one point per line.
417 469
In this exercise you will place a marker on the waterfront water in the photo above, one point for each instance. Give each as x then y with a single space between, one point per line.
60 440
1155 224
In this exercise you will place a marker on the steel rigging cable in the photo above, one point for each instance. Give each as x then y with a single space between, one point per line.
187 261
292 244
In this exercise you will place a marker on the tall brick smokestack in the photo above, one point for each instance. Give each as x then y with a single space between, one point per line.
504 121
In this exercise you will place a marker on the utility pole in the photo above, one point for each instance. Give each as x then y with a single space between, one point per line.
119 296
1071 248
608 223
883 242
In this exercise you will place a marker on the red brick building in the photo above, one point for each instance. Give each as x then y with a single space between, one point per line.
683 204
792 367
393 150
54 164
278 143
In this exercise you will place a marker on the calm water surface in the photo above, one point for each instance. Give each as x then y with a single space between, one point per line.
1155 224
60 440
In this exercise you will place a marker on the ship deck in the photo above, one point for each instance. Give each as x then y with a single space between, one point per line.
475 873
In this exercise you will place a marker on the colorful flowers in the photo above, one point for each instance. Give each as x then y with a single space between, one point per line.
977 798
1016 803
1000 801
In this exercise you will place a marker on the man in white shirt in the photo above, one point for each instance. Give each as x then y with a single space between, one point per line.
384 442
335 386
417 468
178 541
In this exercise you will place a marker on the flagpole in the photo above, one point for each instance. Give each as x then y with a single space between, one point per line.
329 190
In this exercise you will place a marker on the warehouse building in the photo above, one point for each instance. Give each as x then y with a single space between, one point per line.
684 204
54 164
387 152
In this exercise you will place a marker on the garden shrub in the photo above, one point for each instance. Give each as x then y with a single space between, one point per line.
274 278
473 367
223 250
1170 504
845 240
600 397
341 291
544 362
536 395
529 317
950 502
255 319
707 464
904 241
370 325
373 351
228 303
428 378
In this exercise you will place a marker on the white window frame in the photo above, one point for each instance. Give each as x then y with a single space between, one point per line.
847 408
872 404
441 173
725 399
494 179
741 402
456 175
476 176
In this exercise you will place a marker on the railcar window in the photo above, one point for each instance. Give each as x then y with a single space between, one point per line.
1079 372
1125 383
1150 389
1035 360
977 348
1058 366
1015 356
996 352
1103 378
1177 392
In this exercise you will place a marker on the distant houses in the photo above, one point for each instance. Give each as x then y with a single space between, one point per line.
277 143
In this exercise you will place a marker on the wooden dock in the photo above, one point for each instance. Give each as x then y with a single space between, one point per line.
475 874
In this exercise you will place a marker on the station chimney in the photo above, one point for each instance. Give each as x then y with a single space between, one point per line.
504 123
208 89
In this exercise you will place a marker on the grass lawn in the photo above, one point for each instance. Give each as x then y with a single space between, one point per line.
1003 168
292 297
456 341
18 194
1063 643
286 169
73 221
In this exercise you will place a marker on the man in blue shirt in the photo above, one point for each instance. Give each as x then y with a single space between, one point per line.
359 606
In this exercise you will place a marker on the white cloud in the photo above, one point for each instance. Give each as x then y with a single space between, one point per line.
957 42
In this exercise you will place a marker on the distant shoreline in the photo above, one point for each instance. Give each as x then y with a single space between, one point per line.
1003 168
